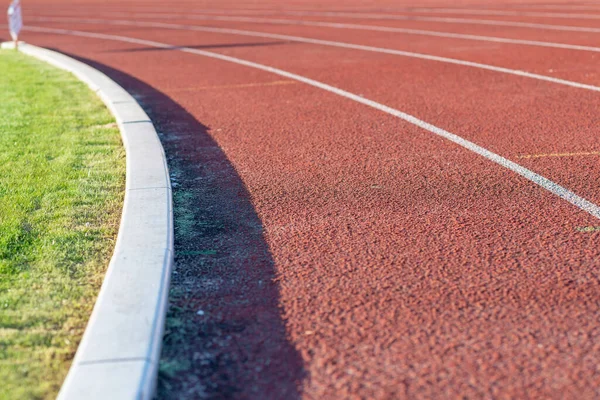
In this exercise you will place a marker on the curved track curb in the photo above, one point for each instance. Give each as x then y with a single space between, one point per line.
119 353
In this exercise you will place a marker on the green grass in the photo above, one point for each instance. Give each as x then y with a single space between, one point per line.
62 176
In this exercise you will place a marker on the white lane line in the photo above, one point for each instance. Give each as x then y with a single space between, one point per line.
543 182
383 50
498 7
498 12
376 28
563 7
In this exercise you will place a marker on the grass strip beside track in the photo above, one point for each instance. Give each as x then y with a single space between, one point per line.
62 181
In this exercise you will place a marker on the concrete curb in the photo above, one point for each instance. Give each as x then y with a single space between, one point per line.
119 353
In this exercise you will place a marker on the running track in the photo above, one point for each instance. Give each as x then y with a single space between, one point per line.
329 248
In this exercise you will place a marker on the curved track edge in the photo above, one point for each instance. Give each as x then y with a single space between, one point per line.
120 349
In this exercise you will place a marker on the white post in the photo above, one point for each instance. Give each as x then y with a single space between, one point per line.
15 21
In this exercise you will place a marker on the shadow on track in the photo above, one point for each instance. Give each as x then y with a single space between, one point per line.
200 47
224 337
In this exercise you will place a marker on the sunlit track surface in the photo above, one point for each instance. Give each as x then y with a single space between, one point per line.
343 229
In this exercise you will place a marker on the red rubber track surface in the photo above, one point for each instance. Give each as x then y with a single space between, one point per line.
339 252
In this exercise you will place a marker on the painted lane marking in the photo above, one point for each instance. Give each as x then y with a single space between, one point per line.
585 153
499 12
564 7
423 32
497 7
333 44
539 180
588 229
